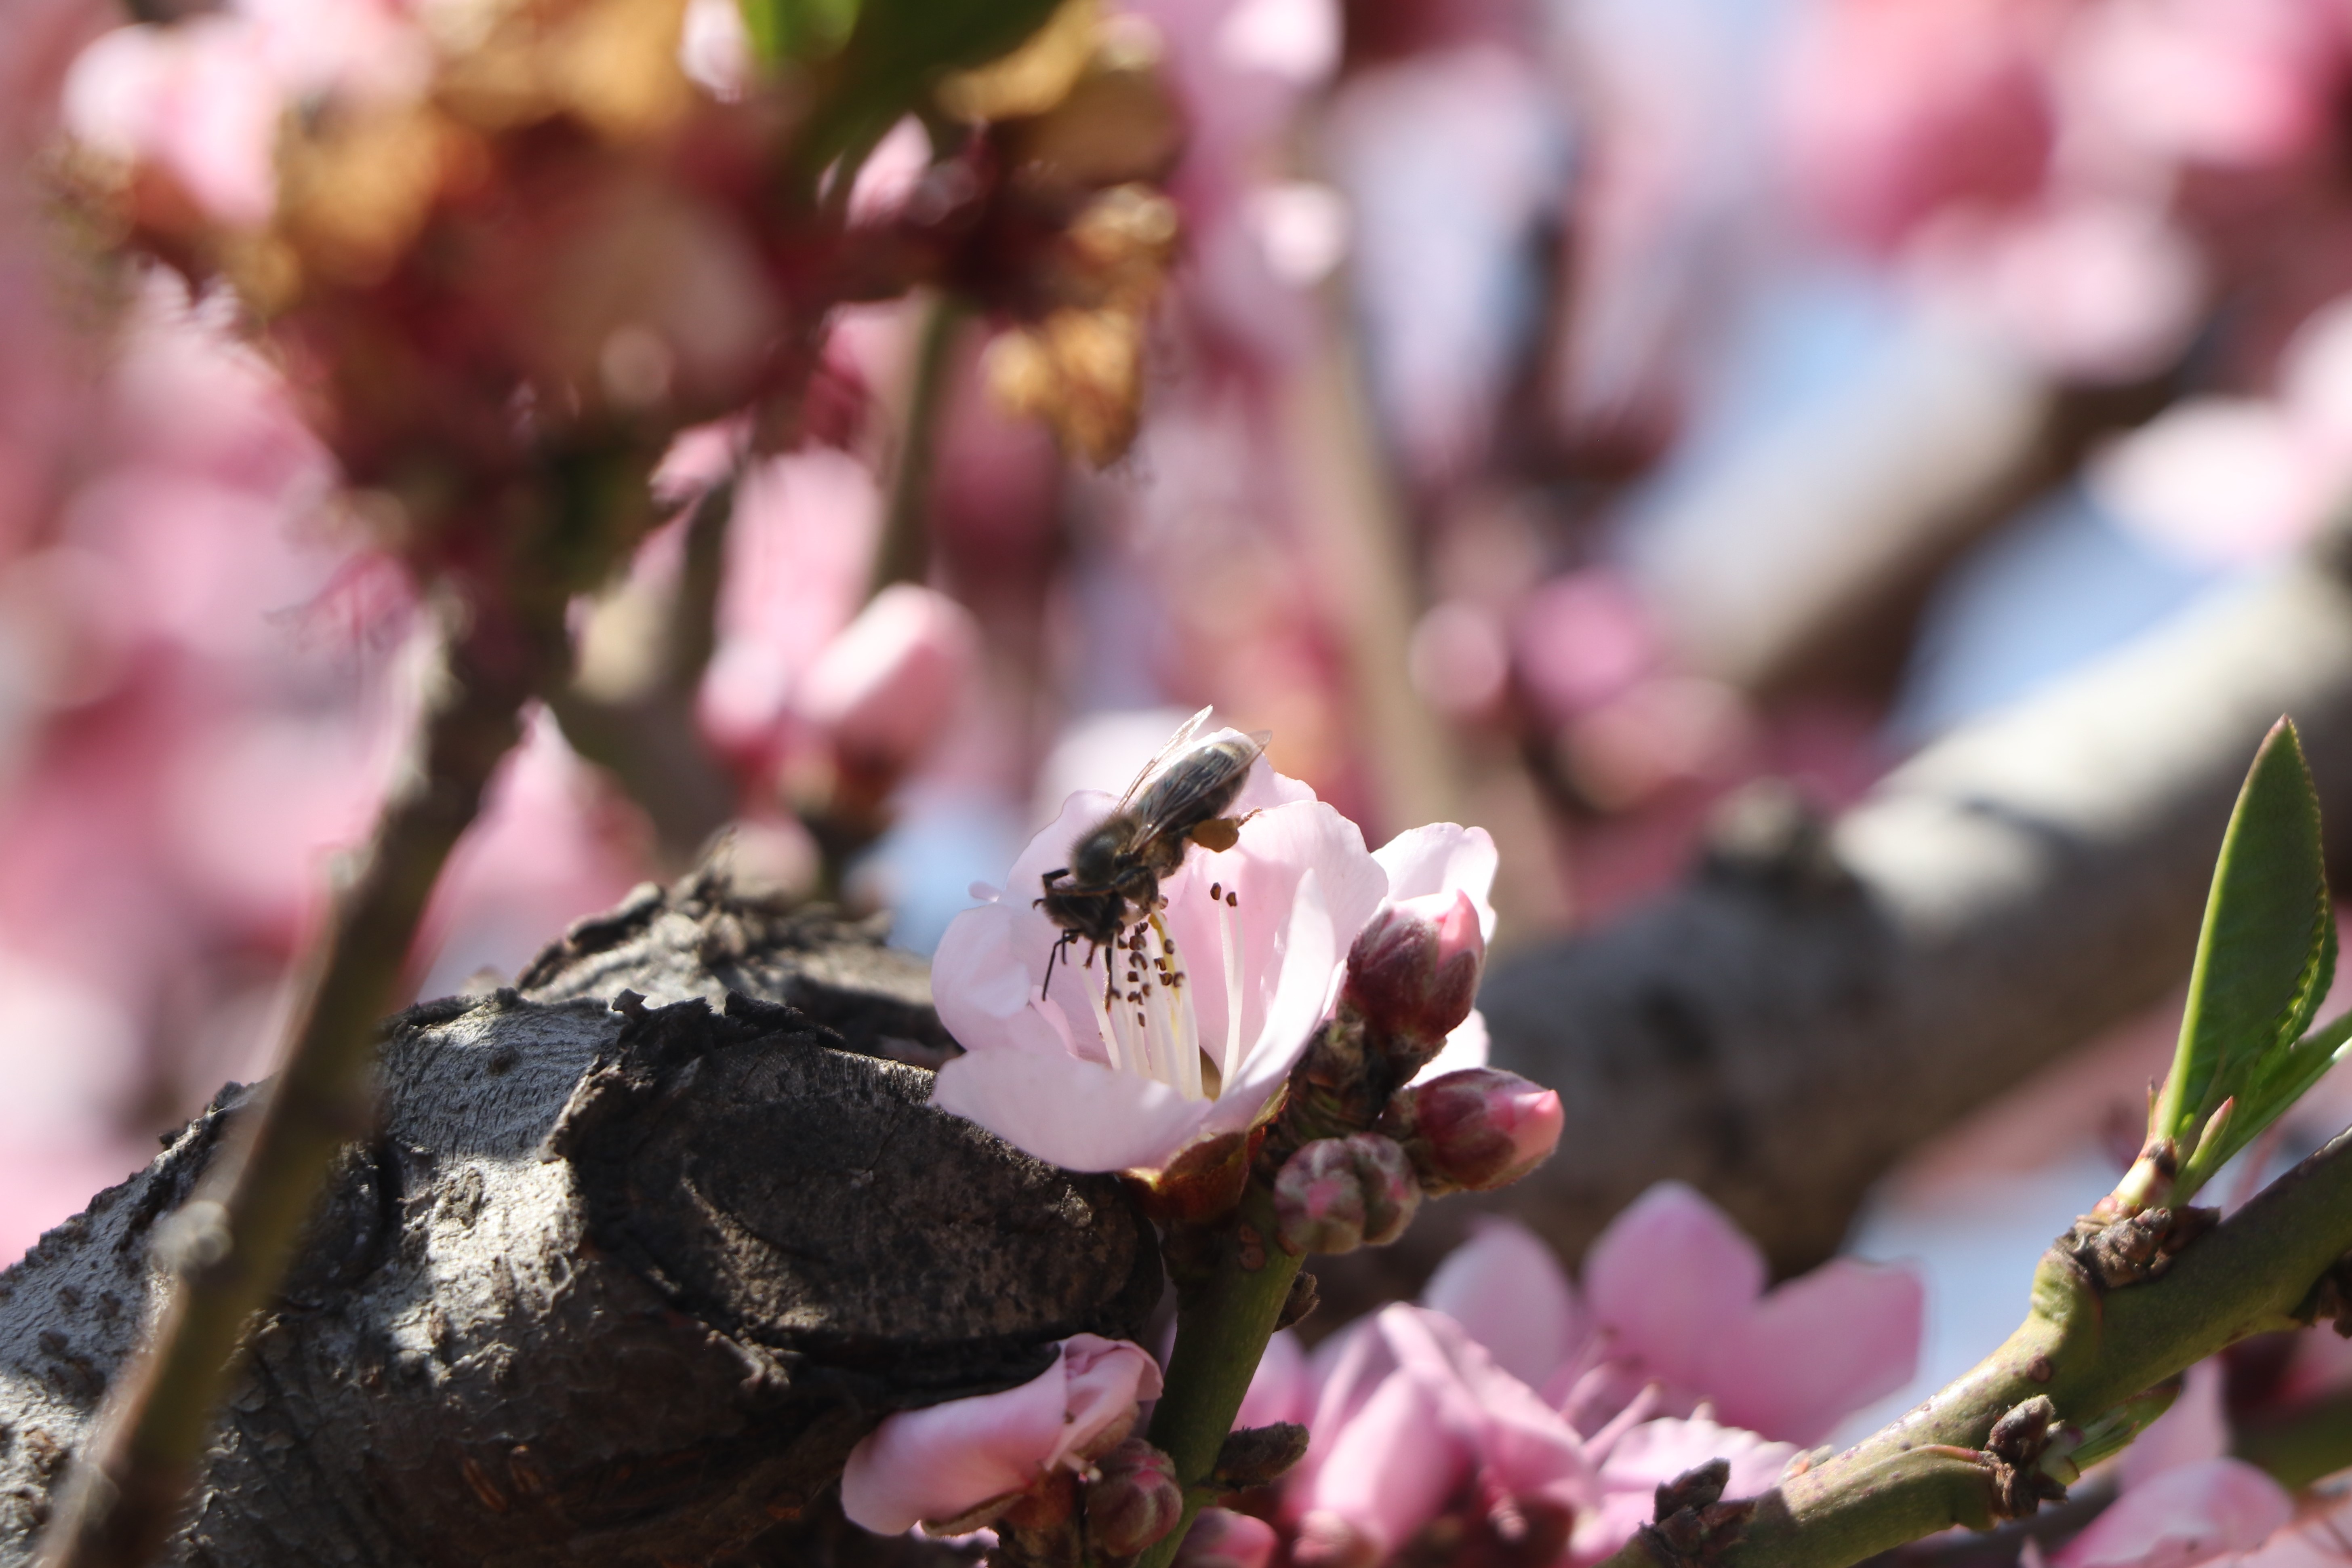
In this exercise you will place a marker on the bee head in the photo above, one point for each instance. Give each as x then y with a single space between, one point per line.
1097 917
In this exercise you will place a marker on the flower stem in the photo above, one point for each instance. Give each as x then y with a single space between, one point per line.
1224 1320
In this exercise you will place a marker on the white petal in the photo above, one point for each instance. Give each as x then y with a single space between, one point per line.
1438 858
1068 1112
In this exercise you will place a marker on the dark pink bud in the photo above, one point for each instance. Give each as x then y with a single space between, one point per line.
1476 1130
1414 971
1134 1499
1336 1195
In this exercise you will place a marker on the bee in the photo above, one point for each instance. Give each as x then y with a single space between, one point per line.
1179 799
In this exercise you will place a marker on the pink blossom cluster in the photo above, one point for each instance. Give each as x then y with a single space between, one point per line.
1509 1400
1511 1406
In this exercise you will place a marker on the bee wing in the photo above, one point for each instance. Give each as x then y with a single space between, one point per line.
1177 807
1190 728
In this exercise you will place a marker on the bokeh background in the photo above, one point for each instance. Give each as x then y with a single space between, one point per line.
1561 413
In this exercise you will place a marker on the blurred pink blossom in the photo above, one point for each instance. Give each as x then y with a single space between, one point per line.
798 553
1674 1313
886 688
1679 1294
1583 638
2192 1514
1280 1389
1411 1410
1895 108
1219 1538
944 1461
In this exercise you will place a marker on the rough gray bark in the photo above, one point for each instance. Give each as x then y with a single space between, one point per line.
609 1287
1809 1003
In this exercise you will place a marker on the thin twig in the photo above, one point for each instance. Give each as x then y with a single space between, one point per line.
649 737
227 1249
903 552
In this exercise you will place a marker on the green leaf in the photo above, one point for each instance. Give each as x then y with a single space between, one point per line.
2265 959
897 49
804 30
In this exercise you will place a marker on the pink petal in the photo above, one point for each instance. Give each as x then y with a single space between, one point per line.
1277 848
1221 1537
1345 1369
1520 1443
1280 1389
1393 1467
1068 1111
2191 1515
1309 968
980 978
886 687
2194 1429
1670 1276
1817 1349
1106 1378
1467 1047
949 1458
1510 1293
1441 857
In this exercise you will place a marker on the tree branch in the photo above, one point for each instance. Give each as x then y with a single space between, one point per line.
600 1287
2004 896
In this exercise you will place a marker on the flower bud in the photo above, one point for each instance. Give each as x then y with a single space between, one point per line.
1134 1499
1475 1130
1336 1195
1219 1538
885 688
1414 970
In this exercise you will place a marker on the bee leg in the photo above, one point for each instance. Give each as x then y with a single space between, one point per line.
1051 957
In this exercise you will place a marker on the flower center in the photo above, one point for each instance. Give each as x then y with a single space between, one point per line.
1143 1005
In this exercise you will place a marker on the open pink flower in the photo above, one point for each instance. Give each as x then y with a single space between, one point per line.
1256 936
945 1461
1412 1414
1681 1293
1674 1313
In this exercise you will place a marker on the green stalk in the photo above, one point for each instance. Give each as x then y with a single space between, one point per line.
1222 1324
